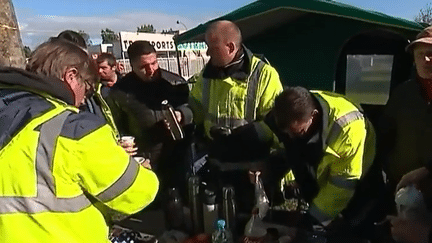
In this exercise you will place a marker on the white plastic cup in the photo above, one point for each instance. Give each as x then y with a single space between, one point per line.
127 140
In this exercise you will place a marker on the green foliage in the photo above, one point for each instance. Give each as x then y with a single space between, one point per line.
146 28
27 51
108 36
425 15
85 36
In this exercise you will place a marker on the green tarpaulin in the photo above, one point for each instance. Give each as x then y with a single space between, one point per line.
302 38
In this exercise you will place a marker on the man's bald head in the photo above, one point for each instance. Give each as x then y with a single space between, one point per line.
226 30
223 39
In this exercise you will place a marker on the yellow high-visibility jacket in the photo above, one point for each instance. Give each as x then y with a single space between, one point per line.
349 150
232 103
53 158
106 110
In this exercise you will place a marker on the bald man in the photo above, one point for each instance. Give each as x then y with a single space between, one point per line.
231 96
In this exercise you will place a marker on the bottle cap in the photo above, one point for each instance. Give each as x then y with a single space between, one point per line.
209 197
220 224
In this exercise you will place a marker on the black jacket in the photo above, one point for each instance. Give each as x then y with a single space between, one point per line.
136 108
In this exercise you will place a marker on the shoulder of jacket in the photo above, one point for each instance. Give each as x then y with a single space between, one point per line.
78 125
267 67
172 78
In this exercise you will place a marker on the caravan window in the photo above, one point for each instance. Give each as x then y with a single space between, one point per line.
368 78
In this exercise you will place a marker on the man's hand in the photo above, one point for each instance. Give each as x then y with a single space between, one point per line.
254 176
179 116
409 231
414 177
128 146
143 162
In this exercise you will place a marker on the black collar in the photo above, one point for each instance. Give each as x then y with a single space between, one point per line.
10 76
239 68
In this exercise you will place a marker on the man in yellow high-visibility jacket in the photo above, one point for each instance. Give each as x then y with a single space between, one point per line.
233 93
330 146
55 160
230 98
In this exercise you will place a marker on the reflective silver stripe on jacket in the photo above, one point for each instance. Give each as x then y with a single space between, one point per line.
45 200
343 182
340 123
250 103
317 213
122 184
250 111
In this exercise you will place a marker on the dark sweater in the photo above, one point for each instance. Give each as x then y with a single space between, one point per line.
136 108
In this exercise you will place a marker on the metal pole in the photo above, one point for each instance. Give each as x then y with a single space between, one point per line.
177 54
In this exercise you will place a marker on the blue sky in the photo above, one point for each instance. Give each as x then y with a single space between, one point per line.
41 19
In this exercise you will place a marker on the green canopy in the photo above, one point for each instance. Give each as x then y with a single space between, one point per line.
303 39
261 15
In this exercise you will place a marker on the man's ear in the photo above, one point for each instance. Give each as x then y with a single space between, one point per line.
231 47
70 75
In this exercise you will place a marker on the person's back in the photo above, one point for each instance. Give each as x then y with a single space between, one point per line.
55 160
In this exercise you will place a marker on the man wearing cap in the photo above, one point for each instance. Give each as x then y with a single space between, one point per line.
406 127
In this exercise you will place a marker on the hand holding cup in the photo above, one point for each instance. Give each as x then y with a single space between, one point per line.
128 143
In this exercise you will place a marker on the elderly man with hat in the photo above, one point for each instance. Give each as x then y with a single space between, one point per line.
406 138
406 125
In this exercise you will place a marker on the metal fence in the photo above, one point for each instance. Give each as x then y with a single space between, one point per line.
188 66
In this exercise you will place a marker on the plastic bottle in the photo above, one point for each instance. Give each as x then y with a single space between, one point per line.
210 210
411 205
174 214
221 234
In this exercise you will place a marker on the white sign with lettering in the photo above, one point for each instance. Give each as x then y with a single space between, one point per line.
161 42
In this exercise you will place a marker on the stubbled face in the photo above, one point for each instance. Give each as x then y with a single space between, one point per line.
297 129
218 51
106 72
78 85
423 60
146 66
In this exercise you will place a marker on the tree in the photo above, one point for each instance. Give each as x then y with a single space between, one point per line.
425 15
27 51
11 52
170 31
108 36
86 37
146 28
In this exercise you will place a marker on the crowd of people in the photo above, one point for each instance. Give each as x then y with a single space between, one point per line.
65 169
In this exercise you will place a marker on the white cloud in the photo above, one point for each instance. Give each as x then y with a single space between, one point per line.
35 29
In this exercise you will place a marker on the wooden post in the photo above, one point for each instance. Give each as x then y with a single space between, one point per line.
11 47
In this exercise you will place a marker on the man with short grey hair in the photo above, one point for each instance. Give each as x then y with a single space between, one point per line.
57 161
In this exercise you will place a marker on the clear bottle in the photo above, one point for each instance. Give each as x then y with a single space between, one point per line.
221 234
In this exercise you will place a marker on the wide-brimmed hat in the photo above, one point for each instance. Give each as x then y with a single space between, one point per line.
424 37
